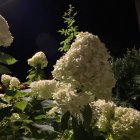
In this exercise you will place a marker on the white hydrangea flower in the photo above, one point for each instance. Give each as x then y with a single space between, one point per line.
68 99
5 79
103 112
5 36
15 117
1 95
86 66
9 81
44 88
126 124
38 59
103 123
14 82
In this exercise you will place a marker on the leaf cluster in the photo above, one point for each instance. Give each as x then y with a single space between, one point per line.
34 121
71 29
6 59
127 74
35 74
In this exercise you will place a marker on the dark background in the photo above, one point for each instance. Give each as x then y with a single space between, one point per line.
34 25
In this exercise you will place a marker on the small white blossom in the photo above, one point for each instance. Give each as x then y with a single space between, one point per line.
5 79
10 81
15 117
1 95
5 36
39 59
86 66
44 88
14 82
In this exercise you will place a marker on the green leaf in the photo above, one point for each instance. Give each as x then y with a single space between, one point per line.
64 120
4 69
87 115
21 105
78 130
7 59
40 117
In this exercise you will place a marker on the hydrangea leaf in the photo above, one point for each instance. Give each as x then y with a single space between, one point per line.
64 120
3 69
21 105
7 59
87 115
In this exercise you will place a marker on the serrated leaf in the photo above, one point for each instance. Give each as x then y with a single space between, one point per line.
64 120
7 59
21 105
4 69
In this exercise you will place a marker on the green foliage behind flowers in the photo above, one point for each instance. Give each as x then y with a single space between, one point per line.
127 73
71 29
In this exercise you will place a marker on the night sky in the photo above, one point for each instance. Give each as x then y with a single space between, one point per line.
34 25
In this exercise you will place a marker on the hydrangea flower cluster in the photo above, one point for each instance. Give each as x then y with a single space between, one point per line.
65 95
82 73
119 122
86 66
39 59
9 81
68 99
126 124
44 88
103 112
5 35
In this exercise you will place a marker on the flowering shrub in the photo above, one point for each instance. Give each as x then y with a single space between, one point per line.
86 66
76 104
118 122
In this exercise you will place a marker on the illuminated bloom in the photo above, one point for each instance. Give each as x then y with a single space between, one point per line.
86 66
44 88
103 112
68 99
14 82
121 123
15 117
5 36
39 59
10 81
5 79
126 124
